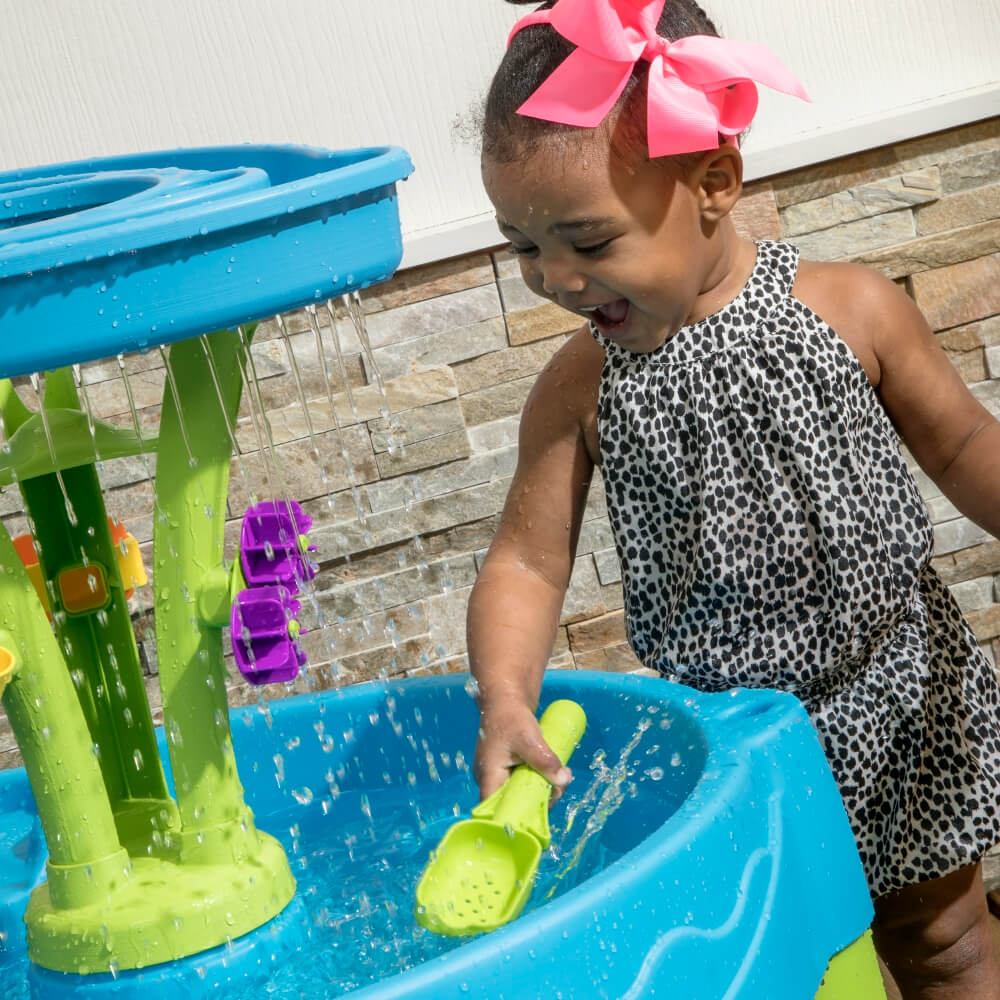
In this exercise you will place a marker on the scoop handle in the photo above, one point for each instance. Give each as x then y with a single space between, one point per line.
563 723
522 802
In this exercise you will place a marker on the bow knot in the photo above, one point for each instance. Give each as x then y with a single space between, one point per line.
700 87
655 48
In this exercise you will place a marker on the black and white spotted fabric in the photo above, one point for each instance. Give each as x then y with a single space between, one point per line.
770 535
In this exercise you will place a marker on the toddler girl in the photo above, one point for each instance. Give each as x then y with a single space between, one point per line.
743 406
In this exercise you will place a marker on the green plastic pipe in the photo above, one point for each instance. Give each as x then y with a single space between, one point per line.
84 851
192 479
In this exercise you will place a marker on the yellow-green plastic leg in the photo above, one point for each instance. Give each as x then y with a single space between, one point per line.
853 974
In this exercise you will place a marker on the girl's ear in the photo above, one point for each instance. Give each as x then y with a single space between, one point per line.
720 181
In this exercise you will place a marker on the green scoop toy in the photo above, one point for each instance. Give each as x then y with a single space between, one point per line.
481 874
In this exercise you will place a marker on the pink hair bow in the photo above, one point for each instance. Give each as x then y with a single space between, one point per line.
699 87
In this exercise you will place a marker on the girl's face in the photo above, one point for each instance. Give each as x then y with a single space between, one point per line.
620 243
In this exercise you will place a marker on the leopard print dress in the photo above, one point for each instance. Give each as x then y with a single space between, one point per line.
771 535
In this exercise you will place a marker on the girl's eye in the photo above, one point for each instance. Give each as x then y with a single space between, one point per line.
522 251
594 248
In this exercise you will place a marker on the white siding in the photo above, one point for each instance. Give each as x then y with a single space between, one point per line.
115 76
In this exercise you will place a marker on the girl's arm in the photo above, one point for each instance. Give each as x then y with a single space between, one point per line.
517 599
949 432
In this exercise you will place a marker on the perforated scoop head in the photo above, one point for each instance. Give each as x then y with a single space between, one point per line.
481 874
479 878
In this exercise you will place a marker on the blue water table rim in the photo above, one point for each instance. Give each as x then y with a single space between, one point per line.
106 256
126 203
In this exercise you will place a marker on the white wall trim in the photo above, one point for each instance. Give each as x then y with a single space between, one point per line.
905 123
479 232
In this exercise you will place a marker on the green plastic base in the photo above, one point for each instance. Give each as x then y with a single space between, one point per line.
853 974
161 911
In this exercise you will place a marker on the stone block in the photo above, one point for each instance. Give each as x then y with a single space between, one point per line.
992 356
584 597
111 396
506 264
989 330
370 629
595 535
115 472
597 501
597 633
968 564
853 238
496 402
424 454
961 533
561 661
609 569
985 624
971 365
960 293
442 348
404 392
452 665
405 429
834 175
988 393
429 281
516 295
949 144
446 615
505 365
413 552
863 201
103 369
969 336
421 319
959 210
970 171
403 492
301 473
317 368
382 662
335 541
755 215
974 595
133 505
941 509
544 321
937 251
495 435
614 659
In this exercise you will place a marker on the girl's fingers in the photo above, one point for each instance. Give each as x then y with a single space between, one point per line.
498 752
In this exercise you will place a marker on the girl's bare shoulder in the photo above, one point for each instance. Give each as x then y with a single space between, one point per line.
855 301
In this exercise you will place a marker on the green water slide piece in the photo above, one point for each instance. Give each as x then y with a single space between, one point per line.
67 437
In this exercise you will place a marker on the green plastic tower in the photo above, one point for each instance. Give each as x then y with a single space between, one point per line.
135 877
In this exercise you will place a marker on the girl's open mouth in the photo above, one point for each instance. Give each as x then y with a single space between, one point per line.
610 316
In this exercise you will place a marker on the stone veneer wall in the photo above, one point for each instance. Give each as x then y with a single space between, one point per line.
458 344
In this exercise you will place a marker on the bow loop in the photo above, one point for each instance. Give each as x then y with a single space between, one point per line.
699 86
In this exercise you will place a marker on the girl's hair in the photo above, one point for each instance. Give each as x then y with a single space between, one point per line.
535 51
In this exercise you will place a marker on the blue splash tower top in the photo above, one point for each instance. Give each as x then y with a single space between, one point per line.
122 254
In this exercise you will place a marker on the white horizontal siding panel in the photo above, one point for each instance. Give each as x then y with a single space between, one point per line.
81 79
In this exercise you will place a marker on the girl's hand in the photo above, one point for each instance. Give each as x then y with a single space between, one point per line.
509 735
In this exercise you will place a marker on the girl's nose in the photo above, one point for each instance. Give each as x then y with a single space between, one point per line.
560 277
